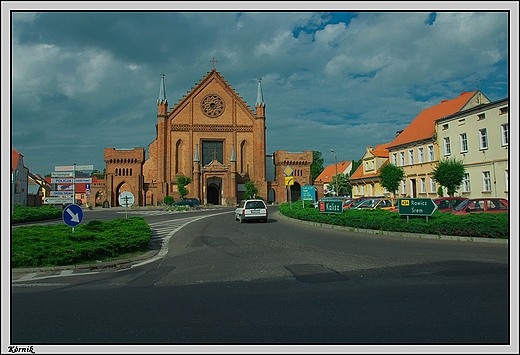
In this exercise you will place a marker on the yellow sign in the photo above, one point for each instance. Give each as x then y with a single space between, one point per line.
289 180
405 202
288 170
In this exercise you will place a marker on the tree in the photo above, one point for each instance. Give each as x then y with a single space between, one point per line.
316 165
168 200
450 174
343 184
391 176
251 190
182 181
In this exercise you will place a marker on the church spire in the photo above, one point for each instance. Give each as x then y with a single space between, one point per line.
162 92
260 95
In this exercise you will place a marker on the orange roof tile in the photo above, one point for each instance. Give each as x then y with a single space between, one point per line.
15 156
381 150
423 126
327 173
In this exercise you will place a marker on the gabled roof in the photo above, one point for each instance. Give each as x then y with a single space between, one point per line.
423 126
327 173
380 151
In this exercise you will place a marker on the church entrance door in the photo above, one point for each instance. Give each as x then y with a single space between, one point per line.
213 191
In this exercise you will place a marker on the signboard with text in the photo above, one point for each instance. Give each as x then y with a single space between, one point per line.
330 206
416 206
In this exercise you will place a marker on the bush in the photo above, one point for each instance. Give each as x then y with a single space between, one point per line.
55 245
484 225
31 214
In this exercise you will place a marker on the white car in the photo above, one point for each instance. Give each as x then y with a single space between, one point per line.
251 210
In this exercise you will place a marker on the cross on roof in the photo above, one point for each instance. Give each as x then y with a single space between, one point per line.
213 61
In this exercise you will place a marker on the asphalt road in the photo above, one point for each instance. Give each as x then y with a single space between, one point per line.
281 282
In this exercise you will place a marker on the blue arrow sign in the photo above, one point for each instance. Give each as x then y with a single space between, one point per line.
72 215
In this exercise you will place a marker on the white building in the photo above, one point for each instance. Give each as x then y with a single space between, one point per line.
479 137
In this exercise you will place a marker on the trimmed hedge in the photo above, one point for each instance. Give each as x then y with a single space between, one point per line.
484 225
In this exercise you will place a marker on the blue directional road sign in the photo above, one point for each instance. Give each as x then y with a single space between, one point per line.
72 215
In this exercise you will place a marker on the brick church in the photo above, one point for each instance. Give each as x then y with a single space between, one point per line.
213 137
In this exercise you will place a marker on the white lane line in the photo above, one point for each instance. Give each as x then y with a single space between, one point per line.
28 276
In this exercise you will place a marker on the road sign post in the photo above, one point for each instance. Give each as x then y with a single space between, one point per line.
72 215
331 206
126 199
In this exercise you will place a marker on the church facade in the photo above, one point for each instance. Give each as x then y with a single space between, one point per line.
216 140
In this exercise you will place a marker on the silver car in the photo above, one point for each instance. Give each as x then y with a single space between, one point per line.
251 210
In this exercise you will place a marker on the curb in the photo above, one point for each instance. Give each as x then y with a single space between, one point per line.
457 238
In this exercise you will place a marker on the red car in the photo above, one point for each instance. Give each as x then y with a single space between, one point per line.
446 204
482 205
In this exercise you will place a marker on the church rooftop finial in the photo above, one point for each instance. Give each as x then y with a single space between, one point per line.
213 61
162 91
260 95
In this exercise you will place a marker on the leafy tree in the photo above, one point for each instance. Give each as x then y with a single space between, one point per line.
391 176
182 181
343 184
316 165
251 190
450 174
168 200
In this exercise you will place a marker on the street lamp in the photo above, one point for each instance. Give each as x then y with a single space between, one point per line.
336 165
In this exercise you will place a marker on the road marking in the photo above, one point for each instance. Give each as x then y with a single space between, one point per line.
28 276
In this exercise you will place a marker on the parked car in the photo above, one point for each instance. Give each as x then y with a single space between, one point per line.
358 200
378 203
482 205
251 210
192 202
446 204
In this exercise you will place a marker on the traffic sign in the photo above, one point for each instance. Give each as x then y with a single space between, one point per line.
288 171
64 168
72 215
308 192
126 199
57 200
61 180
62 193
416 206
331 206
289 180
83 180
84 167
61 174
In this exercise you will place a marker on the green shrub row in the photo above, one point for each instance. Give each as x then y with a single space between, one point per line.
55 245
31 214
485 225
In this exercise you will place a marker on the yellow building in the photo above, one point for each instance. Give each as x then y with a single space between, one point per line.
365 180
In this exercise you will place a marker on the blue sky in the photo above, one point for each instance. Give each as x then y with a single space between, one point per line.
85 80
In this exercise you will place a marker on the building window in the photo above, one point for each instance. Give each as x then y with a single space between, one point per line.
506 180
462 121
504 110
447 147
411 157
403 187
481 116
465 183
212 150
394 159
423 185
372 165
444 126
421 154
486 181
463 143
431 156
483 138
433 186
402 158
505 134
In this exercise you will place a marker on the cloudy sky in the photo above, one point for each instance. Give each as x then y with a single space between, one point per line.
87 79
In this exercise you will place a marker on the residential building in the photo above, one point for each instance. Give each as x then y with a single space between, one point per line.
38 187
416 148
323 181
479 138
365 180
19 179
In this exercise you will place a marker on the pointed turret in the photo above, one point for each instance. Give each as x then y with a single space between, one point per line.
162 92
260 104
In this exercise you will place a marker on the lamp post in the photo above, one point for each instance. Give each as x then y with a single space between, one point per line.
336 165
